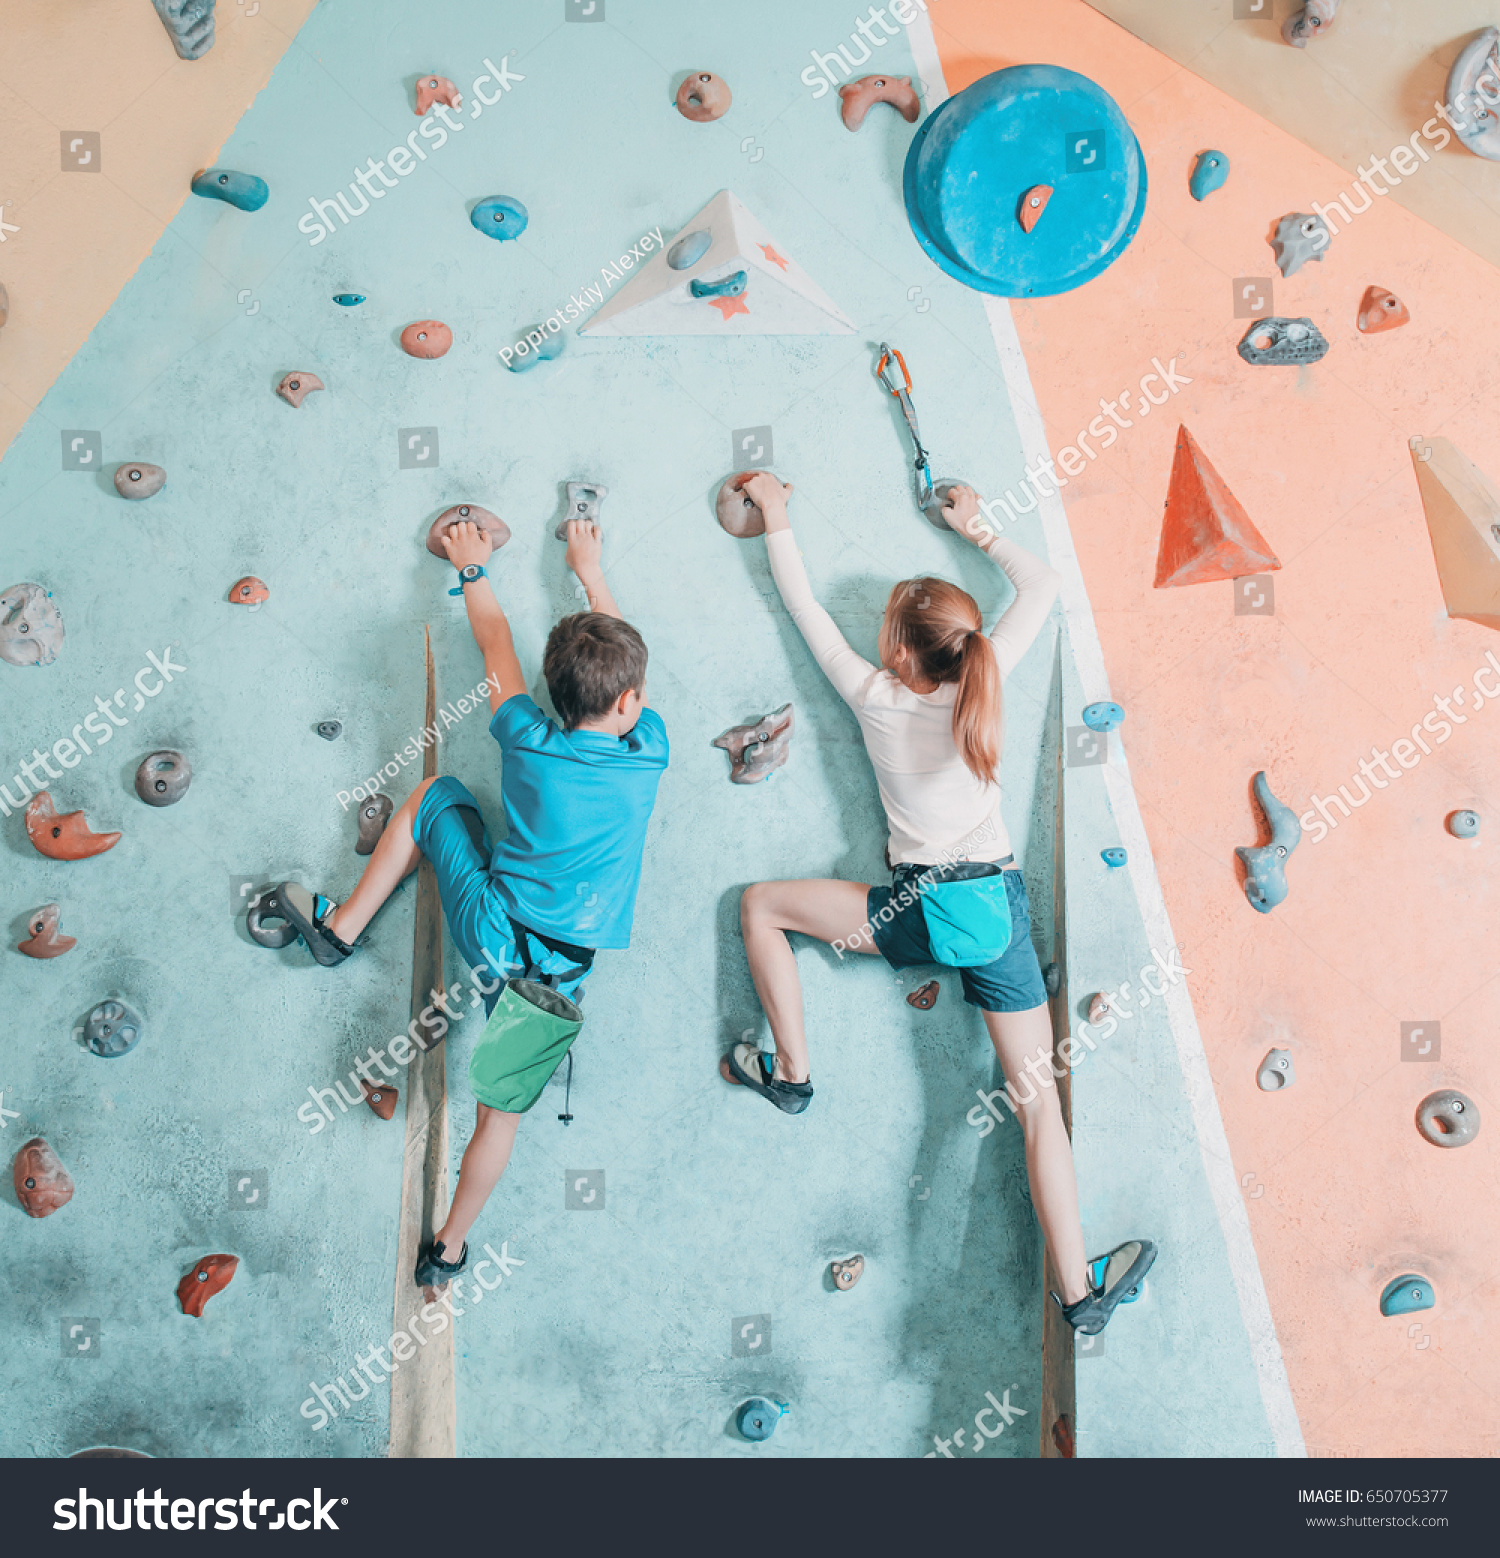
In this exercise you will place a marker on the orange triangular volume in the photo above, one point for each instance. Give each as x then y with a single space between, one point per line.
1205 534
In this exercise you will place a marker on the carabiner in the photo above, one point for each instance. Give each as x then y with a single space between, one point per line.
888 351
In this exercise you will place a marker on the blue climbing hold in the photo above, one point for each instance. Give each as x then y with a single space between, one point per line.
729 287
977 153
689 249
757 1418
1113 858
348 299
1463 824
536 345
244 190
1209 173
1103 716
501 216
1406 1295
1265 864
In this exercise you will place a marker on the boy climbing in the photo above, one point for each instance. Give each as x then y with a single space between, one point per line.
533 909
932 720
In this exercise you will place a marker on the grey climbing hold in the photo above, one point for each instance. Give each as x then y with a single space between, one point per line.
1448 1118
1463 824
1103 716
374 813
330 729
491 524
584 499
31 626
1299 237
932 507
1315 18
163 778
112 1029
757 751
1265 864
757 1418
189 24
1406 1295
1276 1071
139 480
267 905
1282 343
1052 977
689 249
1473 114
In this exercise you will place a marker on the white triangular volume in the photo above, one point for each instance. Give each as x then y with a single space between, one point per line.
780 298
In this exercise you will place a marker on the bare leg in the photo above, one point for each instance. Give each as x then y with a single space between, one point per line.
396 856
1018 1037
484 1162
831 911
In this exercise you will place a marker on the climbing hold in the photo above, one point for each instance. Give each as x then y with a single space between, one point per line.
689 249
1463 524
31 626
1265 864
427 338
857 98
189 24
138 480
925 997
267 905
1205 534
730 286
436 89
380 1098
1314 19
1283 343
248 591
244 190
374 813
1052 977
1210 170
538 344
44 941
211 1275
703 96
847 1272
1033 203
1276 1071
65 835
163 778
42 1183
1381 310
1113 858
738 513
1463 824
501 216
1471 112
296 386
1103 716
112 1029
1448 1118
758 1417
584 499
1299 237
1098 1009
757 751
348 299
1406 1295
1062 1438
330 729
491 524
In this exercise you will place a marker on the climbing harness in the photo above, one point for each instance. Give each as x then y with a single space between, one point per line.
887 376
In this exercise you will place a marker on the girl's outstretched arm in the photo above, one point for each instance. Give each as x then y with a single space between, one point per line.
847 670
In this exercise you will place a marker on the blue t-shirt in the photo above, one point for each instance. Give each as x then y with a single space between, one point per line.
577 803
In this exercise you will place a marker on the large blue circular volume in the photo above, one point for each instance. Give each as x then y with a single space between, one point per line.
975 156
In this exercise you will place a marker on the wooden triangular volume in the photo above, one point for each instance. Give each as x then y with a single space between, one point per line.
1463 521
1206 535
778 297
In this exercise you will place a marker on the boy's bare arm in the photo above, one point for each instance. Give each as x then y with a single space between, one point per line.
466 543
585 551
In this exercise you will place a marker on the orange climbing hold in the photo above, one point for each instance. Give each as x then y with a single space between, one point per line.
381 1099
1381 310
63 835
211 1275
248 591
1205 533
1033 203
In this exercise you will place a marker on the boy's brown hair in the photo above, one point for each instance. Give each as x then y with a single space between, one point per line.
591 660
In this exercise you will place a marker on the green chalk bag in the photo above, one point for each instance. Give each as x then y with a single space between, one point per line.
967 913
529 1032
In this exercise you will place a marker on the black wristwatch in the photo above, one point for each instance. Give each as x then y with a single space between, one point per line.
468 576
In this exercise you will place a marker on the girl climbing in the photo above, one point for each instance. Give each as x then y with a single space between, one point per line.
932 720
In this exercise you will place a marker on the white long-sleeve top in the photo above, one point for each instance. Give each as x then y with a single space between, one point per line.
937 810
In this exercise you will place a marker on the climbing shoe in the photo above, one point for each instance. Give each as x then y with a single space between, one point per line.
433 1271
307 912
747 1066
1114 1279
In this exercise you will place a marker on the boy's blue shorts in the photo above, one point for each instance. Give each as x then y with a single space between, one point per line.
1012 983
450 832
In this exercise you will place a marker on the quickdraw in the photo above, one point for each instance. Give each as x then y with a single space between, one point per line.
902 391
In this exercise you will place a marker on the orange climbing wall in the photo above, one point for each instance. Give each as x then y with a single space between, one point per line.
1388 920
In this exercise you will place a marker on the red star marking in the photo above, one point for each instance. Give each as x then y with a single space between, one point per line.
729 306
772 255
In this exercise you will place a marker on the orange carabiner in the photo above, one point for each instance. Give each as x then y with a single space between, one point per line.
886 353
